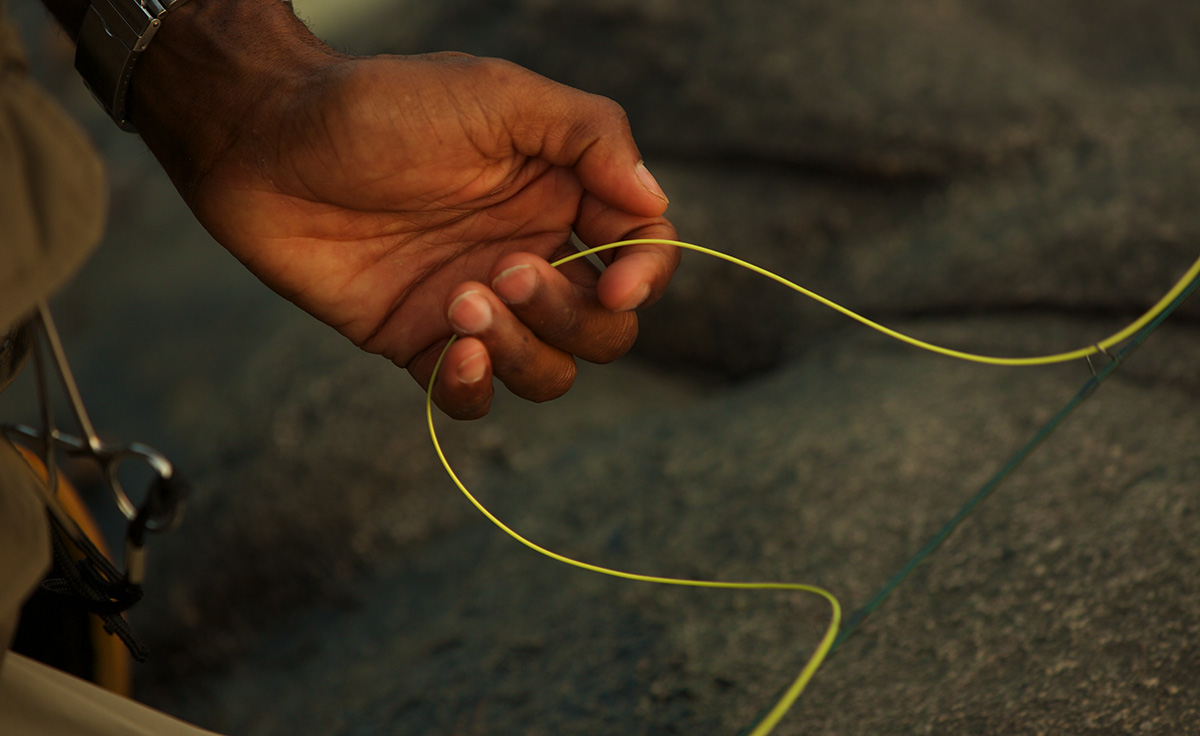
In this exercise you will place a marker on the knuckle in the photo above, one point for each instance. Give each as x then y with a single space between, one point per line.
612 111
457 56
563 328
499 73
605 119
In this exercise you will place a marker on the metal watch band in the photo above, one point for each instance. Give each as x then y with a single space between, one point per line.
114 33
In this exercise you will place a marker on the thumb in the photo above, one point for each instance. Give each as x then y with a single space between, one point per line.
590 135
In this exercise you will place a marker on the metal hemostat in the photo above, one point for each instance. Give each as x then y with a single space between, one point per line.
161 507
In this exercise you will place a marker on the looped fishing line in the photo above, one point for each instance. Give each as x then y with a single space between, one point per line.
767 722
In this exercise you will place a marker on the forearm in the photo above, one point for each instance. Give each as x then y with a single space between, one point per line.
207 67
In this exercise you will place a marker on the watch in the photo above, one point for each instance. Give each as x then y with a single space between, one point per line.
113 35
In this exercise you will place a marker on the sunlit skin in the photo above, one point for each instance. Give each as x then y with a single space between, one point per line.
404 199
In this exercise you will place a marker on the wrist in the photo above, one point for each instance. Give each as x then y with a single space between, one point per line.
211 66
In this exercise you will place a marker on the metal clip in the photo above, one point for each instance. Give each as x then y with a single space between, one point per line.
160 510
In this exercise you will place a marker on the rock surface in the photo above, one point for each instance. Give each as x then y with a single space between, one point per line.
1010 178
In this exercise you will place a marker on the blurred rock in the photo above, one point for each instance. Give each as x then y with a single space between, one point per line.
1066 593
875 89
1009 178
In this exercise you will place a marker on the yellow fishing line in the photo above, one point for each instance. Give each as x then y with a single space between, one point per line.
768 722
1093 349
781 707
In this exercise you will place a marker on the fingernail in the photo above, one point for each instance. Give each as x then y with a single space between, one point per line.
470 313
649 183
516 285
638 298
471 369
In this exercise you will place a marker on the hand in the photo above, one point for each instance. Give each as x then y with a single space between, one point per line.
403 199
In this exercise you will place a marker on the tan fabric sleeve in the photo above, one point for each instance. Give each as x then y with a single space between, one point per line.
36 700
51 212
53 193
52 206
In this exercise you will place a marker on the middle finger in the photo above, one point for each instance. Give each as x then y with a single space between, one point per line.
560 311
529 367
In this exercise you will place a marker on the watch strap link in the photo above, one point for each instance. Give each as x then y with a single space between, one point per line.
113 34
